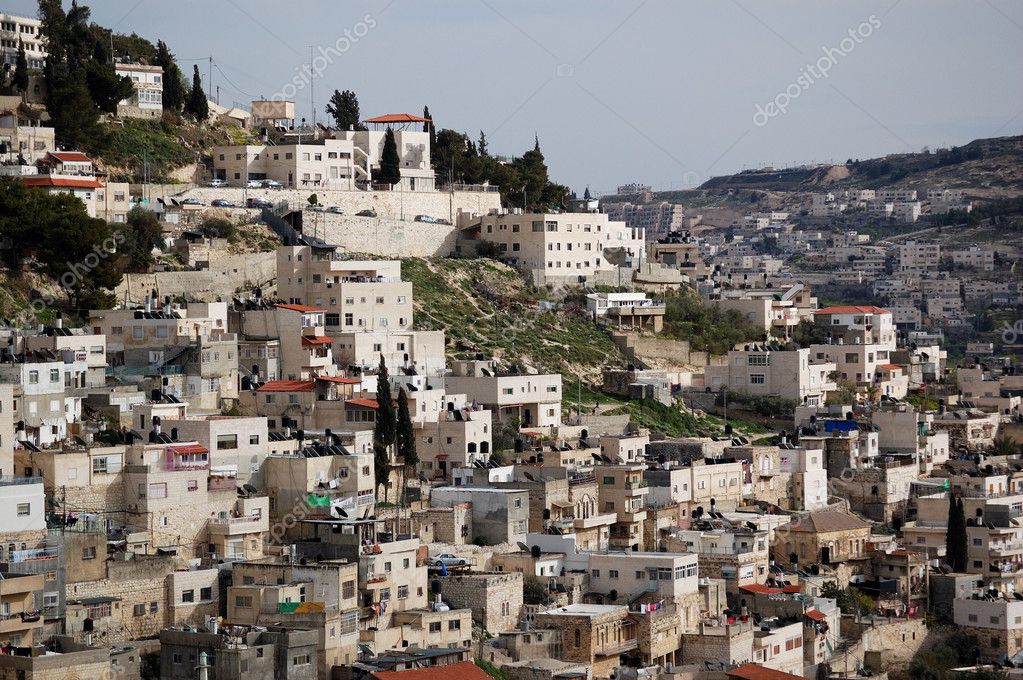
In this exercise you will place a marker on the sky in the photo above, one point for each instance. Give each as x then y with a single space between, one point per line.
662 92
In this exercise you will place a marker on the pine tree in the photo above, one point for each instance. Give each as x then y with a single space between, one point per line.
383 428
390 163
429 120
344 107
482 144
21 70
586 193
197 105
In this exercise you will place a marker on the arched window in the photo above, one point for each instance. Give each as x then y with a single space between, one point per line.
484 447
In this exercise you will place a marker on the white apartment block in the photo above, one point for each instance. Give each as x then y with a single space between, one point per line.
355 295
413 150
789 374
976 257
896 195
916 256
566 248
16 30
324 163
147 99
531 400
906 211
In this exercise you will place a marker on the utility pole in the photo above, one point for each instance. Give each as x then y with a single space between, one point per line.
210 82
312 87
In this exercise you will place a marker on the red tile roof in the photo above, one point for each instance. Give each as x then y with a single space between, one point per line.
342 381
464 670
760 589
316 340
815 615
890 367
853 309
364 403
44 181
301 308
397 118
752 671
791 589
70 156
188 449
287 386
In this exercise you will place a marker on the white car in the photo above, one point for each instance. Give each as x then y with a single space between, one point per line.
448 560
217 183
254 184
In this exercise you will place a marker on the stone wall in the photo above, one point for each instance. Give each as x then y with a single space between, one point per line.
887 642
388 204
663 354
444 525
495 599
222 280
385 237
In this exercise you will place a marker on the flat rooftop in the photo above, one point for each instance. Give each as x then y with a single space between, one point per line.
584 610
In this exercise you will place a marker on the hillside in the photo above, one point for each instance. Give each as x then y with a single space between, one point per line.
993 165
483 306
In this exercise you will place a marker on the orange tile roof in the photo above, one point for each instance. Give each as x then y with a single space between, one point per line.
188 449
342 381
287 386
760 589
316 340
301 308
853 309
44 181
815 615
364 403
890 367
752 671
71 156
397 118
463 670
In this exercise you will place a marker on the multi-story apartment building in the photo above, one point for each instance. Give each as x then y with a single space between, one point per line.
798 374
563 248
147 99
919 256
314 163
622 491
906 211
655 218
996 623
808 480
52 388
304 351
530 400
895 195
975 257
413 149
17 32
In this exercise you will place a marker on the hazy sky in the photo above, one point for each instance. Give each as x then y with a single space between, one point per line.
664 92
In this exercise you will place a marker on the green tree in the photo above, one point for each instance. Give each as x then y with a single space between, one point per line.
481 145
344 107
106 88
955 536
405 436
534 590
432 129
142 233
174 91
197 106
390 162
1003 445
21 70
384 428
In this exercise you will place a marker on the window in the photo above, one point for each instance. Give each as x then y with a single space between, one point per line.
455 625
756 379
89 553
188 596
612 573
206 594
193 485
348 590
33 377
253 439
227 441
138 610
54 375
24 509
243 601
435 627
402 592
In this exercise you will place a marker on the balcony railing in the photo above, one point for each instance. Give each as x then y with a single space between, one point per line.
13 480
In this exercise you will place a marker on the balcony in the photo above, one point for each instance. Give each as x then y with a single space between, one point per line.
614 649
222 484
19 622
15 481
377 581
1004 549
594 521
234 526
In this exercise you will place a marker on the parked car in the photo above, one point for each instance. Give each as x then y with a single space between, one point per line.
336 210
442 221
367 213
192 201
318 208
254 184
448 560
425 218
217 183
259 203
223 203
272 184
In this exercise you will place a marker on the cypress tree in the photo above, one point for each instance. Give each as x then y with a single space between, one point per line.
390 162
405 436
197 105
21 69
383 428
955 537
